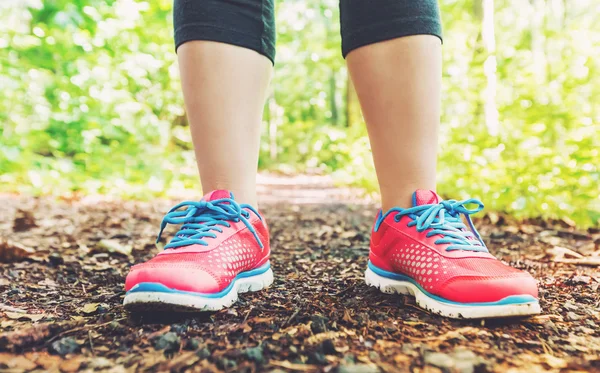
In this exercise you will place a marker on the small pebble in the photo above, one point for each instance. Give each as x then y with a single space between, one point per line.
317 358
348 359
318 324
64 346
169 342
179 328
55 259
203 353
328 347
193 344
498 234
461 360
226 364
255 354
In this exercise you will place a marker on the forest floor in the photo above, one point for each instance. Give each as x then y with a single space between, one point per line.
63 263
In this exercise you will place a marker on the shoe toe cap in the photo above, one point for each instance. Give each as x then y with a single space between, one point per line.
488 289
182 278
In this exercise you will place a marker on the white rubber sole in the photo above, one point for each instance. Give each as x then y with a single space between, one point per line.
450 309
191 302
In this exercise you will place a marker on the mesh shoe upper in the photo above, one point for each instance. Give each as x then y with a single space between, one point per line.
468 274
209 267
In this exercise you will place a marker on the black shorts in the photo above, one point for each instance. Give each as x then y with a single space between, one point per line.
251 23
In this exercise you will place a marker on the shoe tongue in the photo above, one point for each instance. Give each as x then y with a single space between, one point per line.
217 194
425 197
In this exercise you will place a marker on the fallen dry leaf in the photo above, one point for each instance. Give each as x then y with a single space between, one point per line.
90 308
71 365
578 279
561 254
317 338
24 220
13 252
593 261
113 247
182 361
6 307
21 316
260 320
294 367
553 361
44 360
494 218
16 362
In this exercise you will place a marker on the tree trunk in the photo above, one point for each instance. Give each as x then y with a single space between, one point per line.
332 99
489 68
538 41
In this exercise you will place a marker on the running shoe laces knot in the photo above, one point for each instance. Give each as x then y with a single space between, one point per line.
203 219
444 219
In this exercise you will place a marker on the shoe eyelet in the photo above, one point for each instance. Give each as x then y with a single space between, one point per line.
397 219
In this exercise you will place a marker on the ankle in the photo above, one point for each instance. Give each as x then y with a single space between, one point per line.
403 201
400 197
245 197
242 195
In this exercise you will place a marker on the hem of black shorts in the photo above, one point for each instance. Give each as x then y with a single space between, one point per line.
194 31
391 30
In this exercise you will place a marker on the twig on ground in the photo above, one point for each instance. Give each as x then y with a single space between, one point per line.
93 326
296 311
6 307
345 290
248 314
91 344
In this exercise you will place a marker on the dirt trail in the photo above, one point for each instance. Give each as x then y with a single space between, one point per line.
60 305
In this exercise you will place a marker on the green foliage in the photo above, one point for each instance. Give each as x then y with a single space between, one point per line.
90 102
546 159
90 98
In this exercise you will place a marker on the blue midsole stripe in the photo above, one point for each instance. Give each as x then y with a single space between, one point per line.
510 300
156 287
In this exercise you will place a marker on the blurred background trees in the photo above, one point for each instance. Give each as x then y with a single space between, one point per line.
90 102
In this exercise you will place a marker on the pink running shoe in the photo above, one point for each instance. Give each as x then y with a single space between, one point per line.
222 249
428 252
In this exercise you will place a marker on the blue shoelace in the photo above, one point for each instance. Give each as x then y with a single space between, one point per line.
445 219
202 219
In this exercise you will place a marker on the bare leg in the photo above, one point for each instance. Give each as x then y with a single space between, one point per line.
224 88
398 84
